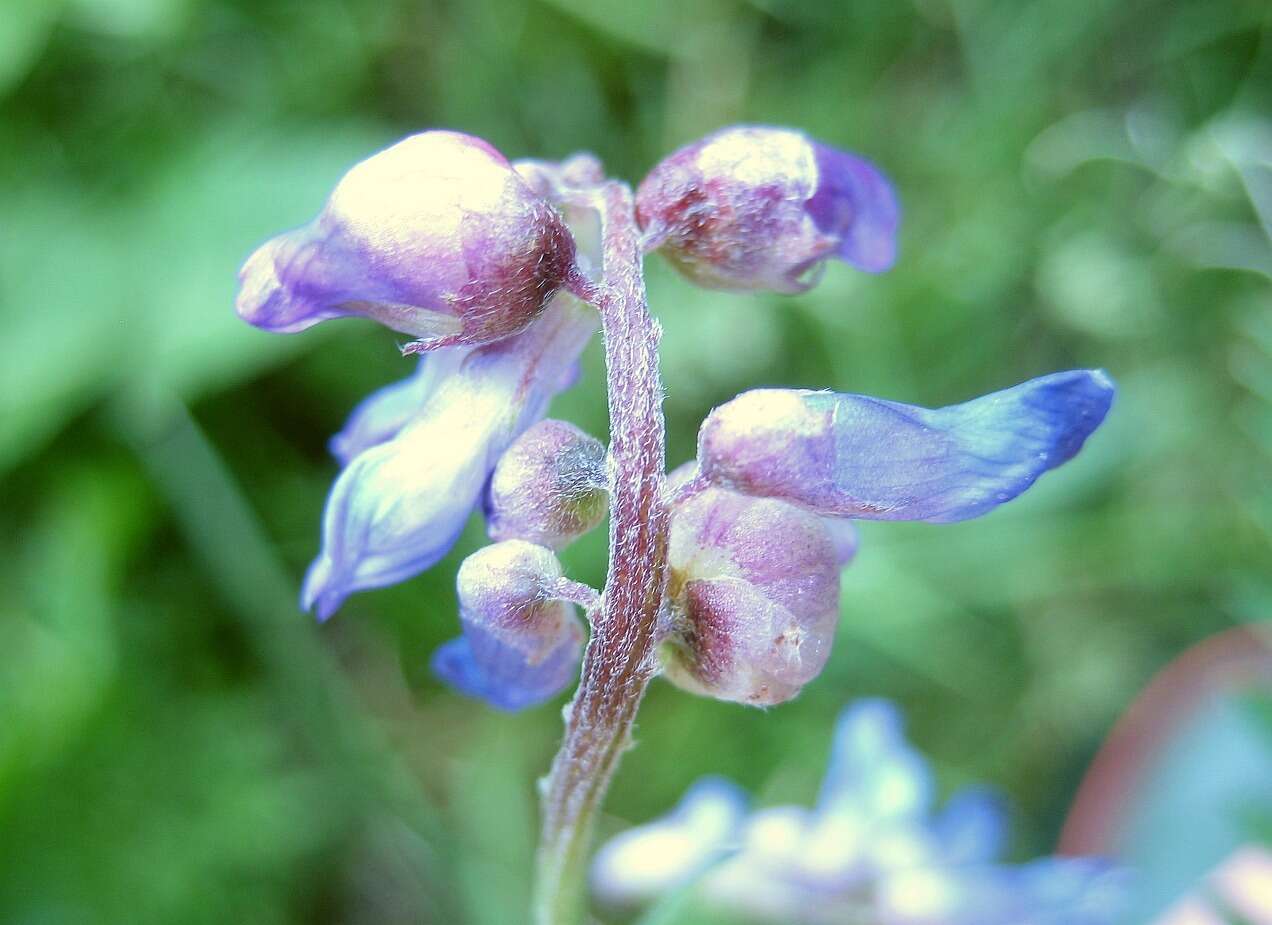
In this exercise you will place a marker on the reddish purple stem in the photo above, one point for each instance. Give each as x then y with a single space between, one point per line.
620 659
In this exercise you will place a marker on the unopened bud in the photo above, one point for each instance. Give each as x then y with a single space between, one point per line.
757 207
548 487
521 642
753 595
436 236
508 588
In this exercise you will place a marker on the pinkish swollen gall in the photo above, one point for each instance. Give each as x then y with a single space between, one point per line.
724 579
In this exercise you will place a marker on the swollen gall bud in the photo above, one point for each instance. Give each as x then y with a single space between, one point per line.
548 487
436 236
757 207
753 597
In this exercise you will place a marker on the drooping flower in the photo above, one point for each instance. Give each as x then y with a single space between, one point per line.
399 505
549 486
758 207
855 456
521 639
871 850
437 236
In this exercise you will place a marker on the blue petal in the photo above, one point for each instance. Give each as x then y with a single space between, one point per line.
399 507
972 828
479 665
873 766
855 203
854 456
713 805
650 859
1071 891
383 414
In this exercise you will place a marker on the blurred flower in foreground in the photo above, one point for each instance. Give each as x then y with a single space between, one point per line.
872 851
1242 884
758 207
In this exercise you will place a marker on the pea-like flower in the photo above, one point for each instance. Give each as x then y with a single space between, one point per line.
761 532
873 849
757 207
437 237
855 456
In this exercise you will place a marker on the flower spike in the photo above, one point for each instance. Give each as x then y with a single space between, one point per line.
436 236
854 456
758 207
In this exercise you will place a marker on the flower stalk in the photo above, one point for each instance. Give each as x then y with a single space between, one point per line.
619 661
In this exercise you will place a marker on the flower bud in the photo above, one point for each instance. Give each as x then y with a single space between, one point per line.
548 487
753 596
508 589
521 642
436 236
757 207
841 455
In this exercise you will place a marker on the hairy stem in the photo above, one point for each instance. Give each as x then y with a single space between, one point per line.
619 661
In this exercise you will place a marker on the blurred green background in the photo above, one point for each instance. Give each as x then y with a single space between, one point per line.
1084 184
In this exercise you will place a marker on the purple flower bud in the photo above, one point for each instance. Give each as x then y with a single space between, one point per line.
436 236
549 486
853 456
753 596
757 207
521 642
478 665
509 589
399 506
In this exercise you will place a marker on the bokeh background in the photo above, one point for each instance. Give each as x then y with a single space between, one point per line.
1084 182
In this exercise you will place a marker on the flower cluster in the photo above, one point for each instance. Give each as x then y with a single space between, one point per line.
872 850
491 266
